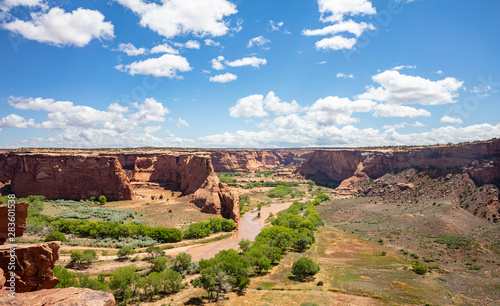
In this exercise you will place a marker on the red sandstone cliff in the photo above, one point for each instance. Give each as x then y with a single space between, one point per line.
70 177
193 174
256 160
330 167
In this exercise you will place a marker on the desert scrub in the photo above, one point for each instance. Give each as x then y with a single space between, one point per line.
106 214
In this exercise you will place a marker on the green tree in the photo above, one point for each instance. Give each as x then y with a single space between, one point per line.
154 251
304 267
302 243
66 278
244 244
75 257
159 264
182 263
89 256
123 283
207 281
126 251
55 236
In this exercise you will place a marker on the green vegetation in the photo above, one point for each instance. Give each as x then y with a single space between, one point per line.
228 180
207 227
102 199
83 258
104 213
266 173
418 267
455 242
228 174
304 268
55 236
280 191
244 199
126 251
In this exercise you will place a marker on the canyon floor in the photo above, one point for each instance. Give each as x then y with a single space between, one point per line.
364 250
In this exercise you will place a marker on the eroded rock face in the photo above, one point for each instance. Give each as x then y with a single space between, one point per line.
20 213
8 163
61 297
330 167
256 160
193 174
34 265
73 177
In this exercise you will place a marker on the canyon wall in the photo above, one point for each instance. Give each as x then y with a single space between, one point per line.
243 161
73 177
194 175
330 167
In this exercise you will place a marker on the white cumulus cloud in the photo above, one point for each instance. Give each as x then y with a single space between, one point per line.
397 88
336 43
171 18
57 27
335 10
448 119
349 26
164 48
165 66
345 76
6 5
247 61
131 50
223 78
399 111
217 63
259 41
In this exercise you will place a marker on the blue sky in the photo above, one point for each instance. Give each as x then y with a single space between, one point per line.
257 74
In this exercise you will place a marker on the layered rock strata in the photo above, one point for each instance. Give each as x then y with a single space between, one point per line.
72 177
194 175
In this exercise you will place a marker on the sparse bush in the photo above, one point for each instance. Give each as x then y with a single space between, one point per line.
102 199
304 267
55 236
126 251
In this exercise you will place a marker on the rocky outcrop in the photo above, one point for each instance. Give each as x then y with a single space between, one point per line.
13 215
73 177
330 167
256 160
34 265
8 163
61 297
194 175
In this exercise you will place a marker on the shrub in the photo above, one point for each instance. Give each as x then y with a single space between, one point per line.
55 236
304 267
102 200
418 267
126 251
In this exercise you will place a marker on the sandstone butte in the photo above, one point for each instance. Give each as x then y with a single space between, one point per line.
191 173
346 166
34 272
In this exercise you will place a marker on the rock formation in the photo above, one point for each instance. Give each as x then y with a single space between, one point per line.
70 177
34 265
330 167
256 160
18 214
67 296
8 163
193 174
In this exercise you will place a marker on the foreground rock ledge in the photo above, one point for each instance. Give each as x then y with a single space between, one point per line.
34 265
60 297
